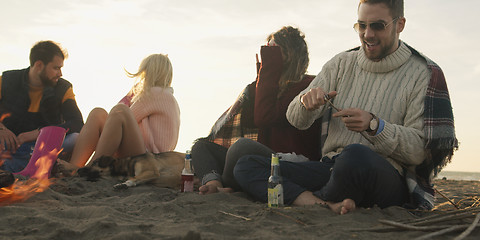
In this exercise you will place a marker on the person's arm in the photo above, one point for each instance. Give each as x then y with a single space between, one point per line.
406 143
156 101
127 100
267 110
159 115
28 136
309 104
70 113
8 140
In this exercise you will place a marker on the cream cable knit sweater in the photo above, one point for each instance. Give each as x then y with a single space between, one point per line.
158 117
393 89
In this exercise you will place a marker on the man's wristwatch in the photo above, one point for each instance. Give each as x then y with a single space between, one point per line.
373 126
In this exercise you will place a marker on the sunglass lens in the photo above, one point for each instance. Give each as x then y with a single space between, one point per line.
377 26
359 27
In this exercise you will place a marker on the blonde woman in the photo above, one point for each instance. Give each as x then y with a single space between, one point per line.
147 119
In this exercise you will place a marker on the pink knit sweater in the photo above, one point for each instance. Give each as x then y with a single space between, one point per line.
158 117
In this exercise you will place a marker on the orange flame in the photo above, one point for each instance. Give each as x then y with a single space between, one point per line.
22 190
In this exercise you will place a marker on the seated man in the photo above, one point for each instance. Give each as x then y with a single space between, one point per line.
33 98
386 126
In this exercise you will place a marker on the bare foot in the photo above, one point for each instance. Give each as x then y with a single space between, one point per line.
64 169
344 207
207 189
307 198
213 186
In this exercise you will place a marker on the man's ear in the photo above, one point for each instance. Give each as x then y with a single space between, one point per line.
401 24
38 65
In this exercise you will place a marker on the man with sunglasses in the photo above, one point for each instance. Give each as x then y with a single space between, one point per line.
390 124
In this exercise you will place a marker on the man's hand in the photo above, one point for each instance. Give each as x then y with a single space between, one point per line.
355 119
28 136
314 98
8 140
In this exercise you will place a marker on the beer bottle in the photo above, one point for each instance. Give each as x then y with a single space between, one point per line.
275 188
187 174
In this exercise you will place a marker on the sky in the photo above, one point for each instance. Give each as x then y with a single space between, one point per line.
212 46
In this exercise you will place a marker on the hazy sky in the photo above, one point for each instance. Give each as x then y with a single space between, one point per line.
212 46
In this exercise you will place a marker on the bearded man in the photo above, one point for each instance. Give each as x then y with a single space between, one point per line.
33 98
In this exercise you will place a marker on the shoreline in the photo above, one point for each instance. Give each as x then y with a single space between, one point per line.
459 175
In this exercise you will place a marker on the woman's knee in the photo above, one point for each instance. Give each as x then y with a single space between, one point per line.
98 114
199 146
96 118
246 146
238 149
241 143
122 113
120 109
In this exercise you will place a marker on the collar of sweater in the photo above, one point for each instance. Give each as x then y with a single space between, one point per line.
387 64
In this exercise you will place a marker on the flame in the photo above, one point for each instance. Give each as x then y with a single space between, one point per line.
22 190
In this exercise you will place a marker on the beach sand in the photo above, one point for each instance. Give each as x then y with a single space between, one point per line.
73 208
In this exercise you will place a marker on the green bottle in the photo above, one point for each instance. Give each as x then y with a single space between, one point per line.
275 188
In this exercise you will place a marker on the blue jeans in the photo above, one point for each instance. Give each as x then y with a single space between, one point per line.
357 173
22 156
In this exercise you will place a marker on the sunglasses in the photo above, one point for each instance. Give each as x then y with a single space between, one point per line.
360 27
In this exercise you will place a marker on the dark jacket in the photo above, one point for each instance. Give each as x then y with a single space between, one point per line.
15 102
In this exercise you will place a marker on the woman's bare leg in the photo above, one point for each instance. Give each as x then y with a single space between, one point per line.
88 138
120 135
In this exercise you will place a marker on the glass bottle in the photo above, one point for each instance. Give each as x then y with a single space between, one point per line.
275 188
187 174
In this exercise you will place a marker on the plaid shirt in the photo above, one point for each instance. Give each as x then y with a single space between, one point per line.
237 121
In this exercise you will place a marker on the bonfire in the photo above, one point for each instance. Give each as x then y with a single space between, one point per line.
24 188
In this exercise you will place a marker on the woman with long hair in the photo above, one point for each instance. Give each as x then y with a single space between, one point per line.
281 76
147 119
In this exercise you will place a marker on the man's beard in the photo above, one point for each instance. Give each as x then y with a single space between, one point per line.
385 51
46 81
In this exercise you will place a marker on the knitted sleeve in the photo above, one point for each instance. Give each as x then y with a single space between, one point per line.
302 118
158 115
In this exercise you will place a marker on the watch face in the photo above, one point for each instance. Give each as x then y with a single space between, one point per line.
373 124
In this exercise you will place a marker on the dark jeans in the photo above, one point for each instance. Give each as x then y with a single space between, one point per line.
214 162
357 173
208 160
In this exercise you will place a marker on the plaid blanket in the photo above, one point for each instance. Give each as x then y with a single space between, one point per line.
237 121
440 137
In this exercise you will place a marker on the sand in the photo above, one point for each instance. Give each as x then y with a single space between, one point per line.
73 208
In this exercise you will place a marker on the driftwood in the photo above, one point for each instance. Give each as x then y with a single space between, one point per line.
464 219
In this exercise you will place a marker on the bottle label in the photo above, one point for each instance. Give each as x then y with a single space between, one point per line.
187 183
274 159
275 196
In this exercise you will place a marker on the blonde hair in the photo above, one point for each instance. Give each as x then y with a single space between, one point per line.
154 71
